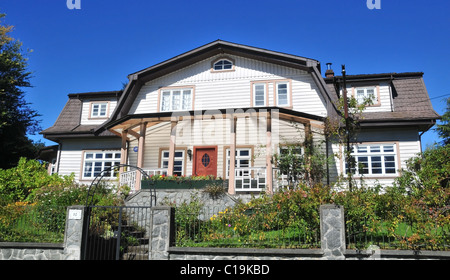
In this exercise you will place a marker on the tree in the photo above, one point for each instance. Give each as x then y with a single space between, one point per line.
443 129
16 117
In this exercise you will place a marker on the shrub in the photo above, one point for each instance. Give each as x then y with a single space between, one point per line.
17 183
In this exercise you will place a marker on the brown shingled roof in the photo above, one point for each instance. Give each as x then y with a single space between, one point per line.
411 101
68 121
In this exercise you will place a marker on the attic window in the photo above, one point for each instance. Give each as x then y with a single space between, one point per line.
222 65
370 94
99 109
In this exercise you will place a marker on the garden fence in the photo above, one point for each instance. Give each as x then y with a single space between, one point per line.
253 228
22 222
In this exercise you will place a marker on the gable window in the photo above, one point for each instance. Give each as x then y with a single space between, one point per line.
282 93
366 93
99 109
176 99
95 162
178 163
259 94
374 159
222 64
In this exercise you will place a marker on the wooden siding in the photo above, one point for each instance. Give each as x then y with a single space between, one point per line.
251 132
231 89
86 110
383 92
408 146
70 156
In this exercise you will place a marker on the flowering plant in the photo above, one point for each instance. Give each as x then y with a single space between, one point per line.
183 178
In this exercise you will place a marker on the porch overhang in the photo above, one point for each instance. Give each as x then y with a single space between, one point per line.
132 123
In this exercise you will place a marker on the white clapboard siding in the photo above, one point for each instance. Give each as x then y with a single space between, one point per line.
85 111
215 132
232 89
385 97
408 147
71 154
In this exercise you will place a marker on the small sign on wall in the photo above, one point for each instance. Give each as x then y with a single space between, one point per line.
75 214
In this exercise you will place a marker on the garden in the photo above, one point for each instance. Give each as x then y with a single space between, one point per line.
33 204
411 214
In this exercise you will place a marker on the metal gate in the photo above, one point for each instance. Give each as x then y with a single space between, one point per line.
117 233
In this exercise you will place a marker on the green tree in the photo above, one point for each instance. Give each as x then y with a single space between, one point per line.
16 117
443 129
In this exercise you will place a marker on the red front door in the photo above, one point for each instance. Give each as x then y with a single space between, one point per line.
205 161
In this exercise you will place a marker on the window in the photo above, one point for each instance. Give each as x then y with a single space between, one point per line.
99 110
96 162
243 158
374 159
176 100
259 94
282 94
290 163
223 64
178 163
366 93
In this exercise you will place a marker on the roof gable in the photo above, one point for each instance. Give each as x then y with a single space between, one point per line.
138 79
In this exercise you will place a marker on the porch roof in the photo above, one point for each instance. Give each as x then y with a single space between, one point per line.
132 122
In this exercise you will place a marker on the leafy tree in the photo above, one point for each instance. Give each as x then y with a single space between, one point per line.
443 129
16 117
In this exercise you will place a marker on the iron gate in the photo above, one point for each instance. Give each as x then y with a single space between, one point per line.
117 233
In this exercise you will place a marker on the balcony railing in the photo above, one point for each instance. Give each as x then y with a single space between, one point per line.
129 177
247 179
250 179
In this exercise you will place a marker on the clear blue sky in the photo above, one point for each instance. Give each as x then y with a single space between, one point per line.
96 47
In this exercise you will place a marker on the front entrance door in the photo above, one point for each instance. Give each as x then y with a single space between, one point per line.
205 161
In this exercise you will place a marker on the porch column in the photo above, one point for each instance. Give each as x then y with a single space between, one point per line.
140 157
123 150
231 177
269 170
173 138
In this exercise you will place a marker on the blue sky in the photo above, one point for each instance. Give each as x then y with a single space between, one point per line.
96 47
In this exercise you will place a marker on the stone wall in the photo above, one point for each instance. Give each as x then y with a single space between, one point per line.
31 251
212 205
69 250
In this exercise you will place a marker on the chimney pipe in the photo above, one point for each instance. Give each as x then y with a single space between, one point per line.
329 73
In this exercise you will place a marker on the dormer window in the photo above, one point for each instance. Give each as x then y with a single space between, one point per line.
99 109
223 64
368 93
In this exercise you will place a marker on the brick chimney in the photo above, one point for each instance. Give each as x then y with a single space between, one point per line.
329 73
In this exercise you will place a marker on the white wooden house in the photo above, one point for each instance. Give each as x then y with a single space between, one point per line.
225 102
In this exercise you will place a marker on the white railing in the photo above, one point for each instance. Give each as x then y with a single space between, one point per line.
129 177
250 179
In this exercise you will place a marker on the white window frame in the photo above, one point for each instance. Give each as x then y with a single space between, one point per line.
179 158
378 159
366 95
238 159
222 66
264 85
288 101
97 112
94 162
181 101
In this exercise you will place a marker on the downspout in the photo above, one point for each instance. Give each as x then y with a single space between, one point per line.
59 157
390 94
